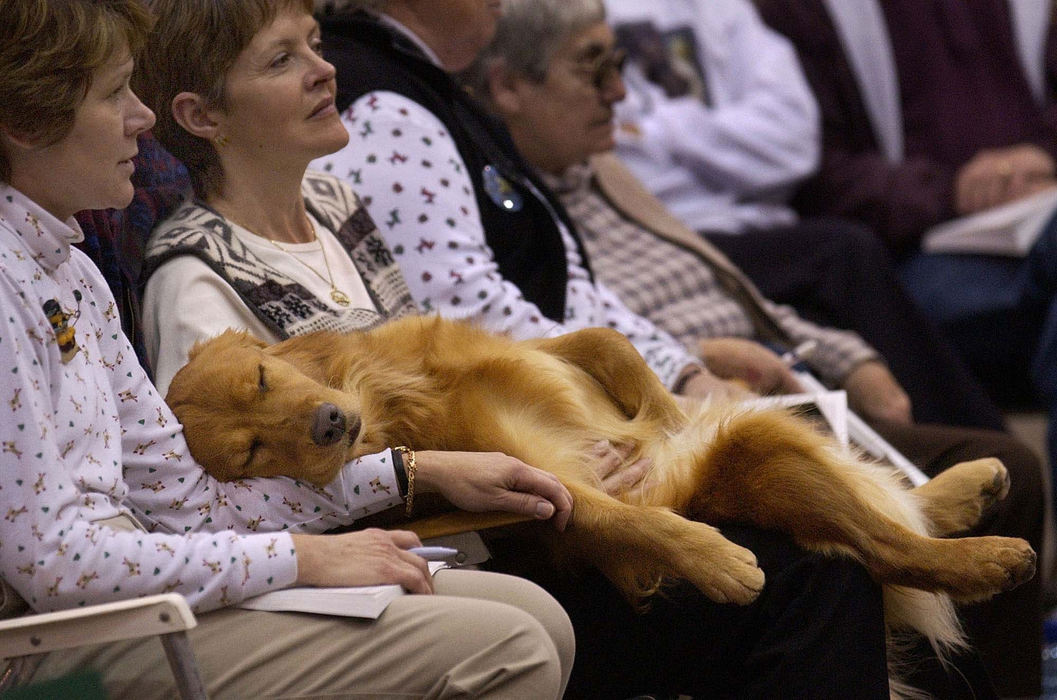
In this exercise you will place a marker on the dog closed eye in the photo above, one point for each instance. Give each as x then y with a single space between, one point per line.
262 385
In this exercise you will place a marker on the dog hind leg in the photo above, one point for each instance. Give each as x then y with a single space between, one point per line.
770 469
614 363
956 498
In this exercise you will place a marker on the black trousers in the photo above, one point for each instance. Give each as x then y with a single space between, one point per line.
816 631
837 273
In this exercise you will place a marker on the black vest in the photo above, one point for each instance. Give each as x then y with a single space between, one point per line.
527 243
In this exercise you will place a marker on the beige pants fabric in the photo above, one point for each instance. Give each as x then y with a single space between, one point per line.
482 635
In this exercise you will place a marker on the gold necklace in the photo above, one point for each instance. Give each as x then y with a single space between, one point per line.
336 294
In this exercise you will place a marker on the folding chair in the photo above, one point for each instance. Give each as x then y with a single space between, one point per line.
23 639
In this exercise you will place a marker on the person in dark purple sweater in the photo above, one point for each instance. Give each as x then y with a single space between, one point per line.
968 110
933 110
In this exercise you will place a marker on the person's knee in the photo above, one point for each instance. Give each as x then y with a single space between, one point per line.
520 593
545 609
786 564
844 574
549 617
530 658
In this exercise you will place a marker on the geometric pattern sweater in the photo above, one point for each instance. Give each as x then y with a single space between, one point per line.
282 304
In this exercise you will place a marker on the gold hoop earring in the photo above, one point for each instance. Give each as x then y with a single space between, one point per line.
221 140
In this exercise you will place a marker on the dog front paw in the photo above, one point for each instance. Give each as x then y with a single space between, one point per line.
723 571
990 565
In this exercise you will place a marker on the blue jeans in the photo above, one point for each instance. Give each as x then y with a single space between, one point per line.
1000 314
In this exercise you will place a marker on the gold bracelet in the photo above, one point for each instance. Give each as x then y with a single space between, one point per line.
409 469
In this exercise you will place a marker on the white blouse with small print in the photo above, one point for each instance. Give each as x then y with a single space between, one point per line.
86 437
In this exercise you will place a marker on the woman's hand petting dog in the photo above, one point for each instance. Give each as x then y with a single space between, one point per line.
619 476
484 481
706 384
365 558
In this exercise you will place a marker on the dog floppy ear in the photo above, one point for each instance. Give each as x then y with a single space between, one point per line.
228 339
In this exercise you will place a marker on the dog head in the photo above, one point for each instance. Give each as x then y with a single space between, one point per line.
248 412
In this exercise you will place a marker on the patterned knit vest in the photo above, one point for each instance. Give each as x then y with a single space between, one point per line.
285 306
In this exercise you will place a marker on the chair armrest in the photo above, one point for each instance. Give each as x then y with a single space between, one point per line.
96 624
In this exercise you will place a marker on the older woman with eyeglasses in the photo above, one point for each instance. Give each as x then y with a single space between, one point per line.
558 106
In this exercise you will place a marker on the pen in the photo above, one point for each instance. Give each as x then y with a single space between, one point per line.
800 353
437 553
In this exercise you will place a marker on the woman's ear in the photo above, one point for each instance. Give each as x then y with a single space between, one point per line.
190 111
505 89
9 138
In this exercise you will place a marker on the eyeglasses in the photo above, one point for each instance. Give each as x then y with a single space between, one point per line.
601 69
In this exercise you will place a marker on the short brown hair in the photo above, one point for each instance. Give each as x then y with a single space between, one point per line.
48 52
191 49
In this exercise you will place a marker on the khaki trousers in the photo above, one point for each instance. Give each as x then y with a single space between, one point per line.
482 635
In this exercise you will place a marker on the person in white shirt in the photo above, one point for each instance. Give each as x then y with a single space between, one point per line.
720 124
100 499
724 146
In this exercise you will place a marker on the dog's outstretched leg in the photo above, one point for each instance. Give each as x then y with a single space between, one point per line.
637 546
792 479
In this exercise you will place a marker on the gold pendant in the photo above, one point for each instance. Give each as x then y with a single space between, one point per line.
340 297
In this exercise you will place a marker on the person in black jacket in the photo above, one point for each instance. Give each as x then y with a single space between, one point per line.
479 236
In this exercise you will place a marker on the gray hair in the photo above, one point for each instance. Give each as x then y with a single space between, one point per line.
529 34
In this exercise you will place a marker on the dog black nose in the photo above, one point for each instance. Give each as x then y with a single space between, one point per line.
329 425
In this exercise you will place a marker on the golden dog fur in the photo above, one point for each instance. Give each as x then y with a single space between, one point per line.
432 384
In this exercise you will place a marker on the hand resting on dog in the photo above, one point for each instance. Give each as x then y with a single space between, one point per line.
474 481
492 481
618 476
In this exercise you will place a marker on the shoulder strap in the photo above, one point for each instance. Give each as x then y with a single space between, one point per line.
626 194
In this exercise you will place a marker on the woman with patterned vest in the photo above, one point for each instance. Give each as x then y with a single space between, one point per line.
208 272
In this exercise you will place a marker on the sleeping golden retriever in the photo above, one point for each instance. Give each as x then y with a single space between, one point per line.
308 405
